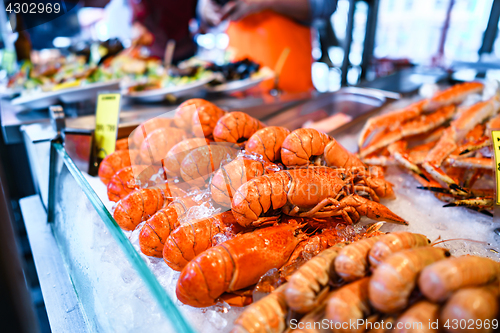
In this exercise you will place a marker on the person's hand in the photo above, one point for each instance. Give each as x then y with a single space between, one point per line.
210 12
239 9
141 35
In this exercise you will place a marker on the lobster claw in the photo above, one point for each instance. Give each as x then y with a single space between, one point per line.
370 209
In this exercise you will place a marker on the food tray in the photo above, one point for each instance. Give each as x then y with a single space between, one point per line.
242 85
158 95
70 95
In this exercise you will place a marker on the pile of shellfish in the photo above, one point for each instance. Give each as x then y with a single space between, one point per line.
397 282
278 198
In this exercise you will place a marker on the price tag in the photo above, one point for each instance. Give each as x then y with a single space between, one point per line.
106 123
495 136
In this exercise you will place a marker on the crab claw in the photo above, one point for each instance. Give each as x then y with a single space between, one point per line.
371 209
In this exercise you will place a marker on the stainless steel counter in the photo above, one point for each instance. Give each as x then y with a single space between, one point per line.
258 105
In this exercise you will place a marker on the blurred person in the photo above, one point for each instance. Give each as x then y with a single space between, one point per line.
155 22
262 29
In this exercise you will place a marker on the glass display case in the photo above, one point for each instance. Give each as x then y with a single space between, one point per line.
116 288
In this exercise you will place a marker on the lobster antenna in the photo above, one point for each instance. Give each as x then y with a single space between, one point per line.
456 239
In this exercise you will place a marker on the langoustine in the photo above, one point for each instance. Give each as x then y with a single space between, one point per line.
265 315
393 281
420 317
438 281
476 307
307 287
349 304
395 242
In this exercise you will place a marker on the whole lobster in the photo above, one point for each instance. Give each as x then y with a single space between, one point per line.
236 264
311 192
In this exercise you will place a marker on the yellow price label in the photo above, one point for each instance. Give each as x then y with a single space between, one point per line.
495 135
106 123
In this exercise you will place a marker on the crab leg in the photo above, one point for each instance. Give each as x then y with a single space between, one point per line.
485 140
423 124
398 150
457 131
474 162
453 95
479 204
390 119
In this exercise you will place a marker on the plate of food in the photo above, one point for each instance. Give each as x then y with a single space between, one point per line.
238 76
66 80
156 89
69 93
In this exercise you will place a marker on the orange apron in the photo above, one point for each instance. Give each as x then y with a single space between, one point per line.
263 36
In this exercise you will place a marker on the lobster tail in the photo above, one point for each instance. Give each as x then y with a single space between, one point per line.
258 196
267 142
231 176
337 156
189 240
303 146
205 278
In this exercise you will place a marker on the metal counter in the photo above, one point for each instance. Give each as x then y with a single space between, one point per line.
258 105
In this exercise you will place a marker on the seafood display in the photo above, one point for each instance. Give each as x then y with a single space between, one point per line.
270 211
256 217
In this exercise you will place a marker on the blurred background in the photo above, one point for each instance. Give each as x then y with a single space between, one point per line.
361 40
